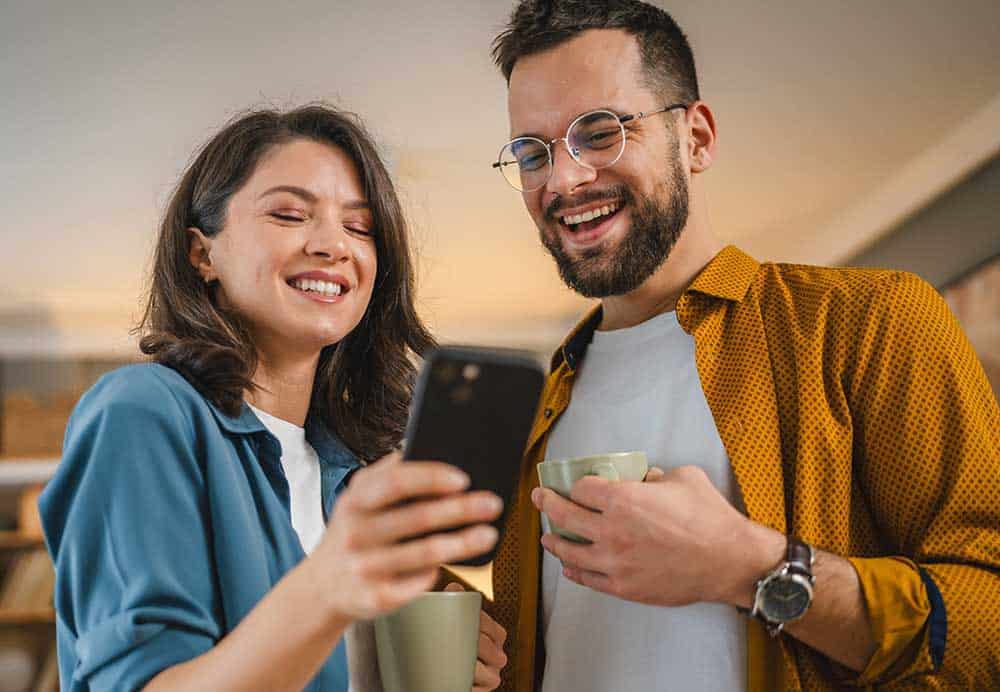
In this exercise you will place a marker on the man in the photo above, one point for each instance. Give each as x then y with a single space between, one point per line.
825 440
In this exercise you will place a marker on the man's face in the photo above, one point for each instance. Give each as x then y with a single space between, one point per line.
641 200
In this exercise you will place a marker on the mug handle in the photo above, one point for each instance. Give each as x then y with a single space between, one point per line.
605 470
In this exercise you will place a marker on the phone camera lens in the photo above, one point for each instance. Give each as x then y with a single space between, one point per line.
470 372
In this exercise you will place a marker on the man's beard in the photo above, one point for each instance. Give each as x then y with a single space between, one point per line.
654 229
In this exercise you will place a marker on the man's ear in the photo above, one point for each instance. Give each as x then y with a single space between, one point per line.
199 249
702 139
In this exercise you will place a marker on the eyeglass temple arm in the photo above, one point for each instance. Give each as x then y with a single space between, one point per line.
640 115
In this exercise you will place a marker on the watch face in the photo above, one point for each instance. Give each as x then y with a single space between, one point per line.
785 599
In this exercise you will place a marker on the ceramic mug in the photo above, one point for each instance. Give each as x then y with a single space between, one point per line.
560 475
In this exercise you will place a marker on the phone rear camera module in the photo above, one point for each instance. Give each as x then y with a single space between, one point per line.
470 372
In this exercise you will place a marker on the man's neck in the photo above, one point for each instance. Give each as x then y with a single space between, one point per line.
695 248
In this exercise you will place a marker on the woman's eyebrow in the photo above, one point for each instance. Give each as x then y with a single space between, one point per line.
292 189
311 197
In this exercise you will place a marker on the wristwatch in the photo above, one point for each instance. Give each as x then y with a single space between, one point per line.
784 595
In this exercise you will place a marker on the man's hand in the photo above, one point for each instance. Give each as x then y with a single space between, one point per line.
492 659
670 541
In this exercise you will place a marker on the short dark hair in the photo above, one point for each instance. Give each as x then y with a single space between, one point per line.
538 25
363 383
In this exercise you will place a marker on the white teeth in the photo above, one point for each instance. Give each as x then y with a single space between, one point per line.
589 215
326 288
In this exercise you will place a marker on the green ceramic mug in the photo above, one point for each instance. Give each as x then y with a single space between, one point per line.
560 475
431 644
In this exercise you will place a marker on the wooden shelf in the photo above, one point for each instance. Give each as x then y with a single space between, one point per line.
43 616
15 472
16 539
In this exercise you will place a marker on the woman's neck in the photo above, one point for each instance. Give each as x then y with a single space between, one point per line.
284 387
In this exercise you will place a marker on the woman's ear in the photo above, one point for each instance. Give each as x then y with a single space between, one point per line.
199 251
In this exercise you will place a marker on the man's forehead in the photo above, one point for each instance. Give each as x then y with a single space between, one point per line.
596 69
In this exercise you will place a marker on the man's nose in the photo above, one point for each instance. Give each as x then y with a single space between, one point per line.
568 174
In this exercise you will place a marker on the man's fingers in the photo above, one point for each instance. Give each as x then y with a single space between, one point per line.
491 654
593 492
655 474
486 678
567 514
492 629
570 553
592 580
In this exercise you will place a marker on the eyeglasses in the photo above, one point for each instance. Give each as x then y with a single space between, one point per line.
595 140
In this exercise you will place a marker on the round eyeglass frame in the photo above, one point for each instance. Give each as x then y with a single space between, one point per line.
575 155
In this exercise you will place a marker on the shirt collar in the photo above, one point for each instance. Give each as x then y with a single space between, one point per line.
329 448
728 277
245 423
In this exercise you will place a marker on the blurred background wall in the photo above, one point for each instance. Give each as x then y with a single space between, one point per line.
849 133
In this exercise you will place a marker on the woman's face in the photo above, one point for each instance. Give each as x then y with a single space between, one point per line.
296 257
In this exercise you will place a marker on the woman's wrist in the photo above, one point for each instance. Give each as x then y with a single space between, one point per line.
312 584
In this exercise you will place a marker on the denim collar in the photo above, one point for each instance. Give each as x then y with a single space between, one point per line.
332 452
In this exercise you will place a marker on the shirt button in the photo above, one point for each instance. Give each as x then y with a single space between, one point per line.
548 413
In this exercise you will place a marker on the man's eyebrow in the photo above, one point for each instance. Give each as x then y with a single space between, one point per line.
542 137
292 189
533 135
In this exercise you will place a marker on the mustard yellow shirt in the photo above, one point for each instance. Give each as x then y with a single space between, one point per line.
854 413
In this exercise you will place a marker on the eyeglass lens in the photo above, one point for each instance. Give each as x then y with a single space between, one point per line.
595 140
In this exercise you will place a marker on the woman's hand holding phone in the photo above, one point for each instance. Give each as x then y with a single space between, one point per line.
381 548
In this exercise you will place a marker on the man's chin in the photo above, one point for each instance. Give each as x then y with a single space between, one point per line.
590 277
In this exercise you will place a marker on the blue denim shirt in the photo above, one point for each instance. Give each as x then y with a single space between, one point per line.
168 521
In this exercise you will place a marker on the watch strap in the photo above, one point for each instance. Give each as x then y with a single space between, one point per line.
799 557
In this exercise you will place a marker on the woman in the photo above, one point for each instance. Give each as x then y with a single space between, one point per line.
188 518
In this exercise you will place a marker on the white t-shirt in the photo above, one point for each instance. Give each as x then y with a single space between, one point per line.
638 389
301 465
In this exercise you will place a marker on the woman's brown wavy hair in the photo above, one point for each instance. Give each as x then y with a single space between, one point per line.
363 383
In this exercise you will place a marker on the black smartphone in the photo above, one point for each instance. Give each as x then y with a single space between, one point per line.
473 408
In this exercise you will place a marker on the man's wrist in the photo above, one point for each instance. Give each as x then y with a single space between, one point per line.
759 550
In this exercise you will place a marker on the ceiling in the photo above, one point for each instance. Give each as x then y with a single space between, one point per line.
836 120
